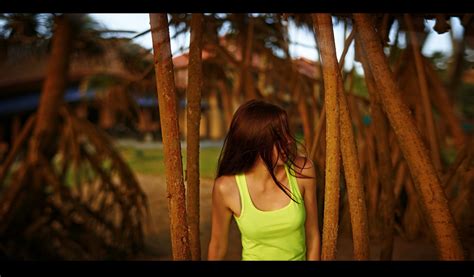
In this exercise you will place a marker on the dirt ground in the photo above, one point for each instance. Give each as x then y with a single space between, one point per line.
158 244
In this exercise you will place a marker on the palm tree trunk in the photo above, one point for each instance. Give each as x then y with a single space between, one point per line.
412 221
448 177
387 203
359 126
428 186
373 182
456 68
247 82
17 145
303 111
193 119
400 178
245 38
352 172
226 102
215 116
355 190
444 105
323 28
166 91
425 97
41 146
53 90
317 133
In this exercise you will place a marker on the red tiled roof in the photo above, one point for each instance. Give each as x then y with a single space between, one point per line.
304 66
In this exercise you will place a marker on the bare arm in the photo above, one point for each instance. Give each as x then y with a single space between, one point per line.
221 217
313 239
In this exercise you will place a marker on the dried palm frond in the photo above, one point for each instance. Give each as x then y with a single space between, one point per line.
85 204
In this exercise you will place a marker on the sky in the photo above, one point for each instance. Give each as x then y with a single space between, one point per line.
304 46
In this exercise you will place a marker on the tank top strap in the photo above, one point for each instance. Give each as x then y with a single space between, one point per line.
243 192
293 182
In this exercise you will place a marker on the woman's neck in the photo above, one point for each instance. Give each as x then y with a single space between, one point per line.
260 172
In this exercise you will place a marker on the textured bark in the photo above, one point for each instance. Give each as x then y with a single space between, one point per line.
425 97
400 178
462 202
324 33
373 184
427 184
193 119
387 202
359 126
166 91
355 190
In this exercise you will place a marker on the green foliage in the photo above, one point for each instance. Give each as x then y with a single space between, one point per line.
360 89
448 155
440 60
465 100
151 161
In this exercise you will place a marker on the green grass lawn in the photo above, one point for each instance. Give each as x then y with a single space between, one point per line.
150 161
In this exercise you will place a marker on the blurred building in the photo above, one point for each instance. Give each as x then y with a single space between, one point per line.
95 89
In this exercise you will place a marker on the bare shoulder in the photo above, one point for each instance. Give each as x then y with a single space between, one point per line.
226 187
304 166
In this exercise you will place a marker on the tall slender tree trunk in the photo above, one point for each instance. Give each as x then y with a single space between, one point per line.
299 93
317 133
444 105
456 68
239 80
41 146
53 89
359 126
226 102
106 113
425 97
193 119
16 147
324 33
248 83
215 116
387 203
171 142
373 184
400 178
427 183
355 190
352 172
412 220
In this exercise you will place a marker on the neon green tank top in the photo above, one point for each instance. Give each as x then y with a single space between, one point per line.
272 235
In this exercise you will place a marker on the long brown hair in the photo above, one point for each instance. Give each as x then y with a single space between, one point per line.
255 128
